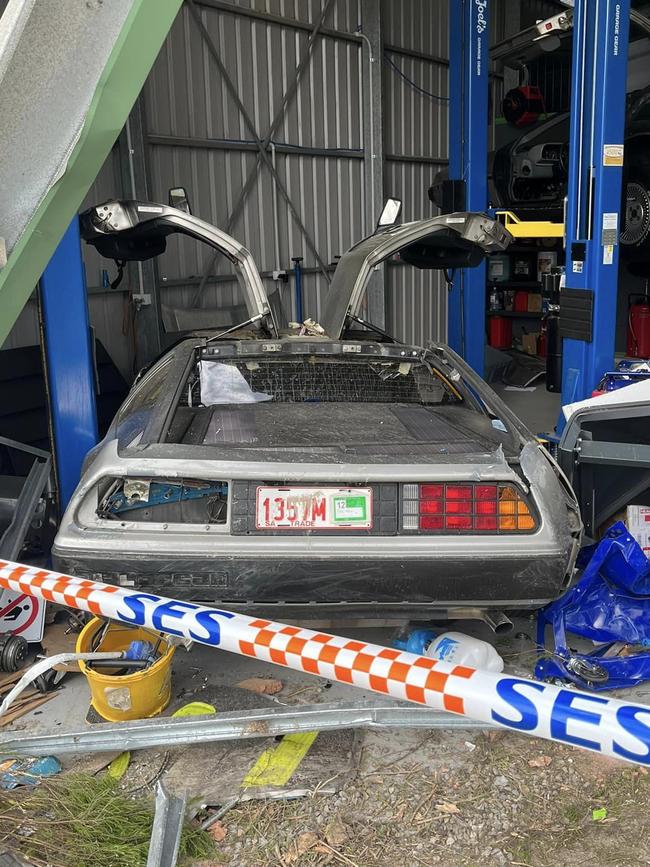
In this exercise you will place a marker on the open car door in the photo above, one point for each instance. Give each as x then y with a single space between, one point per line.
449 241
127 231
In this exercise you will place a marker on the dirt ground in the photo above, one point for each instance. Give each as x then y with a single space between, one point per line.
452 799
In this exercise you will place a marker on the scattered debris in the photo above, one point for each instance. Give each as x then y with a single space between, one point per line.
29 702
27 771
540 762
599 815
461 649
446 807
336 833
195 708
119 766
276 766
34 675
303 843
261 685
218 831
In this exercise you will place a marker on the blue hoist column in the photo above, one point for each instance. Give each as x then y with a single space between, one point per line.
588 305
469 40
69 366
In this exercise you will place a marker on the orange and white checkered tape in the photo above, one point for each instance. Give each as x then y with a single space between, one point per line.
615 728
369 666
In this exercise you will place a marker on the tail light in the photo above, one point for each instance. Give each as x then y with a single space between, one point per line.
465 508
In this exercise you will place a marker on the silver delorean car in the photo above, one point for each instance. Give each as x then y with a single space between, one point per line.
321 470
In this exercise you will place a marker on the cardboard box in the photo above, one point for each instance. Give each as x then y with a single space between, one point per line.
637 520
529 343
534 302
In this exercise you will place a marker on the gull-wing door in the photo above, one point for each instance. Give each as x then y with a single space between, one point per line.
449 241
127 230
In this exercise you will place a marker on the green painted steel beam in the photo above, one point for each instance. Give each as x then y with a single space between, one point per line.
129 62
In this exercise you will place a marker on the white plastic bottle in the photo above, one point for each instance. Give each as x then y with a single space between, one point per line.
460 649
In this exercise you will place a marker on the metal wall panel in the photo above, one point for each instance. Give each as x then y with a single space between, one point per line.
186 98
416 300
415 125
417 25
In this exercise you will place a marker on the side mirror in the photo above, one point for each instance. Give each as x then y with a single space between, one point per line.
178 199
390 214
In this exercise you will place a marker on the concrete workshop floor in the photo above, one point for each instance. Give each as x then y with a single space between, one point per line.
539 409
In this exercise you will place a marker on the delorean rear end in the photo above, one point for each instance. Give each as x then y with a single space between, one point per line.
324 471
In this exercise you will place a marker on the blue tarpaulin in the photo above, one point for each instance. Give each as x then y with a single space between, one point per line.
610 605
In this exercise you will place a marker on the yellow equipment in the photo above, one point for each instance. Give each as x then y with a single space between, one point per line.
129 696
531 228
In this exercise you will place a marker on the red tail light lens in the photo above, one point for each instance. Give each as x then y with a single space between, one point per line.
466 508
429 522
458 492
430 492
458 522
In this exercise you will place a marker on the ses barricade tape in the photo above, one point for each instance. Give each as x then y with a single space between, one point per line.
608 726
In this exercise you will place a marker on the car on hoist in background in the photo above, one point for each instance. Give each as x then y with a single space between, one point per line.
529 176
321 471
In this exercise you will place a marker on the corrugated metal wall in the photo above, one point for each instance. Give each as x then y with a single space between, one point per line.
186 98
416 92
196 136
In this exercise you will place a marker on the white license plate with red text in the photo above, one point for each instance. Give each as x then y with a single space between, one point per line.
290 508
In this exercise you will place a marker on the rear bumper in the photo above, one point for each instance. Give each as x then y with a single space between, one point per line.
368 586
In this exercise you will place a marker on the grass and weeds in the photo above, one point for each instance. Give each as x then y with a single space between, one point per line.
78 820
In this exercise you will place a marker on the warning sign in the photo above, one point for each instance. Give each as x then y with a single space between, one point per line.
613 155
22 615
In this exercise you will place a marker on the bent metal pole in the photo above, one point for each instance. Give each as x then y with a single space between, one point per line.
608 726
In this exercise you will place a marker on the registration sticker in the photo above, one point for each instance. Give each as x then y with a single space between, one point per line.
350 509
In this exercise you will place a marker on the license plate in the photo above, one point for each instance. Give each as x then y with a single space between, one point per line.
314 509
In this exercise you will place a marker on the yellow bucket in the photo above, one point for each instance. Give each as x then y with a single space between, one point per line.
130 696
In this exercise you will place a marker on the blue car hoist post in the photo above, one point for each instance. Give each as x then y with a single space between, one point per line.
598 87
69 361
588 312
469 40
595 178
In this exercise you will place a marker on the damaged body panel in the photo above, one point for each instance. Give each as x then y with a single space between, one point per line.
332 478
